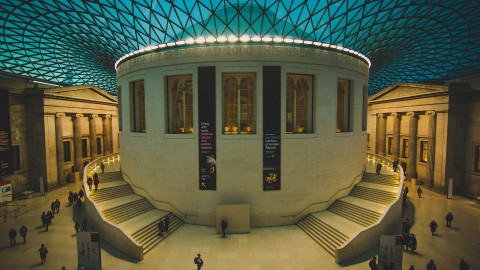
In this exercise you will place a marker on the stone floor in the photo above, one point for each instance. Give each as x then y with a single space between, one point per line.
285 247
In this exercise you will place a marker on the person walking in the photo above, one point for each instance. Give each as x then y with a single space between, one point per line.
161 227
412 242
102 167
12 234
53 207
379 168
405 192
449 219
433 227
395 165
431 265
44 220
76 226
419 192
411 267
373 264
89 182
57 205
43 253
198 261
96 181
464 265
167 223
23 233
224 226
406 226
70 198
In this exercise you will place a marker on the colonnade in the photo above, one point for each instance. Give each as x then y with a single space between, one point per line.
77 140
411 159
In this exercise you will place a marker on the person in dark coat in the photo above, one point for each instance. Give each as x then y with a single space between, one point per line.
379 168
167 223
52 206
43 253
76 226
373 264
224 226
23 233
449 219
464 265
80 193
161 227
12 234
433 227
84 224
89 182
102 167
198 261
57 205
96 181
431 265
50 216
395 165
405 192
419 192
406 226
70 198
412 242
44 219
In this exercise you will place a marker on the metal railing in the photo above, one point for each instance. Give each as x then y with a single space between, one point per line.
4 212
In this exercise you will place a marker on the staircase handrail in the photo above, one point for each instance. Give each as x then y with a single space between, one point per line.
329 199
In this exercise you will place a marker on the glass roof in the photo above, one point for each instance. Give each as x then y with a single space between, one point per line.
77 42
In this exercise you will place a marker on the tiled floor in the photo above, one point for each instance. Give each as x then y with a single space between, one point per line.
285 247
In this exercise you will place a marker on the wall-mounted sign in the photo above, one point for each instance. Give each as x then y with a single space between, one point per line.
6 188
88 250
391 252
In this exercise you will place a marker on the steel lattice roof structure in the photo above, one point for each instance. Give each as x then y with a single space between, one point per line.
78 42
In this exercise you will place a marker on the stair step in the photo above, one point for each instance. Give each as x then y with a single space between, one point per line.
354 213
382 179
126 211
375 195
153 239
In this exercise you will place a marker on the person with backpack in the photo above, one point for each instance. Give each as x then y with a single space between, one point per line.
198 261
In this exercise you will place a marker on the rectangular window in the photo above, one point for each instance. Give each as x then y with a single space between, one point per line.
477 158
16 159
99 145
180 104
137 112
365 107
84 148
389 145
67 151
405 148
423 151
344 106
299 106
119 106
239 103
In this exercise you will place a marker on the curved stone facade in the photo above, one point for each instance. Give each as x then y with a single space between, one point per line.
163 161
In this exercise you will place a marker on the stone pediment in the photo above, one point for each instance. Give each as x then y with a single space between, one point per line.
407 90
84 93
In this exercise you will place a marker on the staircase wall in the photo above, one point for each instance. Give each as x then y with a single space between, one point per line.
368 238
108 231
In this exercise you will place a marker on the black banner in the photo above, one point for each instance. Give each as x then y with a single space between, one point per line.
206 120
271 127
5 138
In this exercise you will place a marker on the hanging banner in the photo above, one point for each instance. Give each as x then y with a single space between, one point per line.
391 252
271 127
206 120
6 166
88 250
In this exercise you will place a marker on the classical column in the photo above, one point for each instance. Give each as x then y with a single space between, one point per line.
93 135
381 133
431 146
396 135
77 142
59 145
107 134
412 145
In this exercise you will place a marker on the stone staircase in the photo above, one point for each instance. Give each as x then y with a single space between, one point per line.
351 214
134 214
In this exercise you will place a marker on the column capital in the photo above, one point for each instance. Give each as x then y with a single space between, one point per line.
395 114
93 116
106 116
414 114
381 115
77 115
432 113
58 115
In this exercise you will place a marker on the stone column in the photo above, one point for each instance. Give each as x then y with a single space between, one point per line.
59 145
382 129
77 142
432 124
412 145
93 135
396 135
107 134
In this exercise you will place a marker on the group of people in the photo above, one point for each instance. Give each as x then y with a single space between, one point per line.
76 199
409 239
12 234
77 225
95 180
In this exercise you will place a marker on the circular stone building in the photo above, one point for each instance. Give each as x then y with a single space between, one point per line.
276 125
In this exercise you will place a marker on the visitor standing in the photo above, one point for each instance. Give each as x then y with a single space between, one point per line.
57 205
431 265
379 168
224 226
449 219
96 181
433 227
12 234
464 265
23 233
373 264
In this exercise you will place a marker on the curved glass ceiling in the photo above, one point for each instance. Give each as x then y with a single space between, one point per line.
77 42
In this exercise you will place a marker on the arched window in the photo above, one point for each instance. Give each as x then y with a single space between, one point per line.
299 107
239 103
180 104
